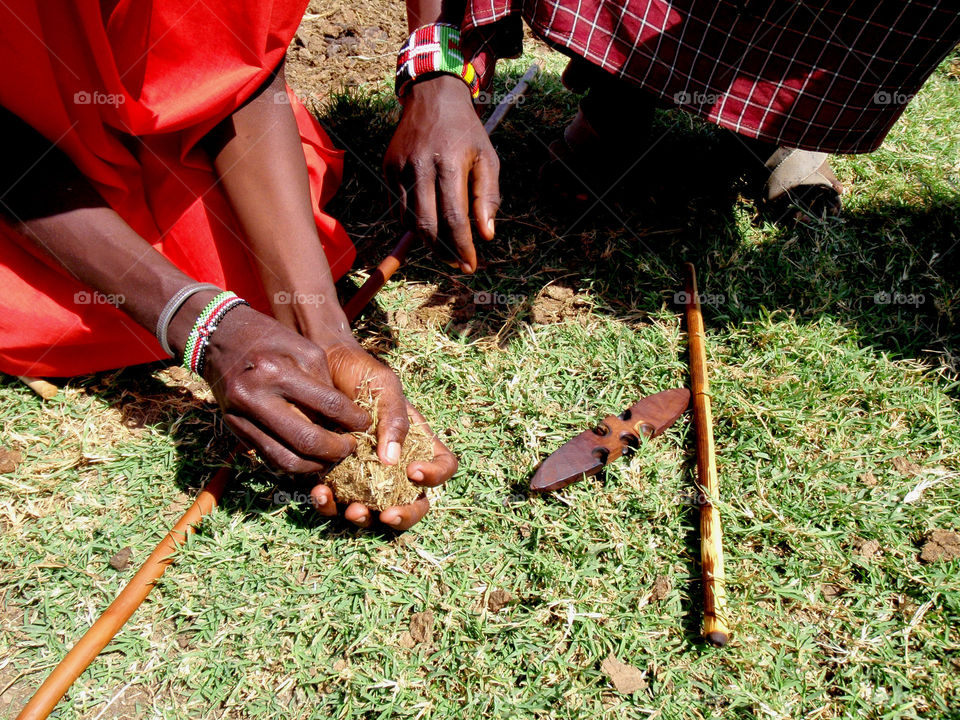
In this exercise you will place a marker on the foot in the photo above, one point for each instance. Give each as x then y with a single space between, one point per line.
601 144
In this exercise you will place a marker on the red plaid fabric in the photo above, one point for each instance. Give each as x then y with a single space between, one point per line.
818 75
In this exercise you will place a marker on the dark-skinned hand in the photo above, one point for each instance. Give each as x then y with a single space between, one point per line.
351 368
442 167
292 401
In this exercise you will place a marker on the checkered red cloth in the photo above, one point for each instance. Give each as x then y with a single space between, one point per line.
818 75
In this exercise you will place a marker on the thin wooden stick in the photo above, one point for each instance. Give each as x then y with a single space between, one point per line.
511 98
378 278
44 389
715 629
130 598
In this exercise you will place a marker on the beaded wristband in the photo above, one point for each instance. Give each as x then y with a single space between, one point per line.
194 351
434 49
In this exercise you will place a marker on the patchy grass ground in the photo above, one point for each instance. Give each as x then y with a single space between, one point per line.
833 351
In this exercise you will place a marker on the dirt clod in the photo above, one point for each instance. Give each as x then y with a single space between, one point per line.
661 588
940 546
625 678
863 547
362 478
428 309
906 466
555 304
420 632
121 561
498 599
9 460
831 591
869 479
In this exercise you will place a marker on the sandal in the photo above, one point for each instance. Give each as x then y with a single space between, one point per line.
800 187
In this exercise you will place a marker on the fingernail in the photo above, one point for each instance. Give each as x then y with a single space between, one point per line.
396 521
490 226
393 452
361 518
416 475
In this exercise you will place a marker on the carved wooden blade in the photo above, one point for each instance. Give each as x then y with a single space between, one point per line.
588 452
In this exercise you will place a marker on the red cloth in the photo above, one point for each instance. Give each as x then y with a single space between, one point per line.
88 75
812 74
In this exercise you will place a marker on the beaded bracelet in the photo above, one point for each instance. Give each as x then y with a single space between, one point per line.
434 49
195 350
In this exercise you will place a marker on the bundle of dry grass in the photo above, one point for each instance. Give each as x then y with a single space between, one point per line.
362 478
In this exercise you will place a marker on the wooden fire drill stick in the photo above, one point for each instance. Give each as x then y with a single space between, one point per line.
106 627
715 629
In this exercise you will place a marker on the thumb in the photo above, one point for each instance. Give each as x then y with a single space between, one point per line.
392 425
486 192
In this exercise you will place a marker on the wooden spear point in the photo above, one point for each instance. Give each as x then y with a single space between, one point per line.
715 630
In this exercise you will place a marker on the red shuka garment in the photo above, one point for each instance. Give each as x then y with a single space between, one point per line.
166 71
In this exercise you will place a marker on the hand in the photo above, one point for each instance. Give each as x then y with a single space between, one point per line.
440 158
351 367
276 393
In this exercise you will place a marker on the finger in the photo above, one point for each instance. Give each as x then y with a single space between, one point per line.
392 423
486 192
326 402
272 452
358 514
322 498
302 437
456 221
422 216
396 191
443 465
403 517
431 474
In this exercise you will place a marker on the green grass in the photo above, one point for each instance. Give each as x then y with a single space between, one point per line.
820 395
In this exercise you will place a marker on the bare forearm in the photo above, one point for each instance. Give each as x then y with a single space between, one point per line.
424 12
98 248
45 197
259 158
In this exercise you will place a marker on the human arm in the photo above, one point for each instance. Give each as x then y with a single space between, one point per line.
258 156
61 214
440 163
263 373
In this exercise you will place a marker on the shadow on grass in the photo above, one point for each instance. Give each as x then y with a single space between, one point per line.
202 444
882 268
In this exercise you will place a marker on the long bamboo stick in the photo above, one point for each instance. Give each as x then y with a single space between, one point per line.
715 629
378 278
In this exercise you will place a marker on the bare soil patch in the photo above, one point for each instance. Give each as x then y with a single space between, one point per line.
345 46
557 303
940 546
